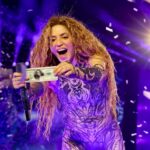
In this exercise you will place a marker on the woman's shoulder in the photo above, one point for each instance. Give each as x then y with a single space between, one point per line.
96 60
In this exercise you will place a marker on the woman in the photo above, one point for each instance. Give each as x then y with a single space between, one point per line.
86 88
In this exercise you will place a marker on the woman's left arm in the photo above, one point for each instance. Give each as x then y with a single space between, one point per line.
94 72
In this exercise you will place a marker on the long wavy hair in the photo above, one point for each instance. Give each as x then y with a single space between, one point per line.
85 45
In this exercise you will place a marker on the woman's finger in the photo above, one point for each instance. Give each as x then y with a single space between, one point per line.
68 73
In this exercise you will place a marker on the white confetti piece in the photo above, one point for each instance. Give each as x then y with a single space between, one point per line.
128 42
110 24
139 125
10 42
8 55
116 36
146 94
2 52
145 87
133 134
135 9
140 135
109 29
132 101
146 132
131 0
144 20
132 141
9 135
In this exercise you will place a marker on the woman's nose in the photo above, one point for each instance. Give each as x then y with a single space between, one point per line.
59 42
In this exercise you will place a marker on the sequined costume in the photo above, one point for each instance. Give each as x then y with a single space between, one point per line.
89 123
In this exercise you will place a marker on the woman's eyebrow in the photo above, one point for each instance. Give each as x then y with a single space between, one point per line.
62 34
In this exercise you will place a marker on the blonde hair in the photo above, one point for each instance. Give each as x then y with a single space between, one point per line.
85 45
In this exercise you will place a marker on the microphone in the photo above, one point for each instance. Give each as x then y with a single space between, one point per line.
21 68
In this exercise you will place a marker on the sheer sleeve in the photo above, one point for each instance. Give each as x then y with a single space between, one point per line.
95 71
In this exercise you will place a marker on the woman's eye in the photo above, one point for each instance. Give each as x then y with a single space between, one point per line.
52 40
65 37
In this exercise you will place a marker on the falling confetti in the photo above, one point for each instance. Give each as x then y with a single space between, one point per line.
109 29
146 94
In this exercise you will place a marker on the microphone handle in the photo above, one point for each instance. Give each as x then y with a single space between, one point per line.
26 103
20 67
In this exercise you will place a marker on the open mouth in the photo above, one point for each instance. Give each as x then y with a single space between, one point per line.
62 51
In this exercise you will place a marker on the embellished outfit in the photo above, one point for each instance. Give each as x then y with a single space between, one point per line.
89 122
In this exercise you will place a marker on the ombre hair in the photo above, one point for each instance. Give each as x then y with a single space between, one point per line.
85 45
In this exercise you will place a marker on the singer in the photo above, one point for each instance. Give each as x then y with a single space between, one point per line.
86 86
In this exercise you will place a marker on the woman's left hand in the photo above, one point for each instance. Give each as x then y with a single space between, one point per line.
64 68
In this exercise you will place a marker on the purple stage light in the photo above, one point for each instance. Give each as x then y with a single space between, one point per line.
115 52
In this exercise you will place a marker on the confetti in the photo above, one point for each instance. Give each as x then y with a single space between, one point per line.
140 135
131 0
133 134
146 132
132 141
109 29
14 64
10 42
126 81
128 42
139 126
8 55
145 87
132 101
146 94
110 24
116 36
144 20
135 9
2 52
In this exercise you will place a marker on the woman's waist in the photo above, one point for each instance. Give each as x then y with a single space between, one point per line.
90 122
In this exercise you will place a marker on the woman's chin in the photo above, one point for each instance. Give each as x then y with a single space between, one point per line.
63 59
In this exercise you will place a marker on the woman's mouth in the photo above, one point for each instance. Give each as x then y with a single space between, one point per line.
62 51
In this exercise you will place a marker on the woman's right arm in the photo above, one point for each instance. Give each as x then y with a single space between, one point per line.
34 91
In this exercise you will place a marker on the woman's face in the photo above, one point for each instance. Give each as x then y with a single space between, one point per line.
61 44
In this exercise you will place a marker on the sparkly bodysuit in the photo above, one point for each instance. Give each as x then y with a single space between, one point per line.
89 123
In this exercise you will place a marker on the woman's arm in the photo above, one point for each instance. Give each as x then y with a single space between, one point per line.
34 90
95 70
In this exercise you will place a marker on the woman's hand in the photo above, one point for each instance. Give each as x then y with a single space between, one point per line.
17 80
64 68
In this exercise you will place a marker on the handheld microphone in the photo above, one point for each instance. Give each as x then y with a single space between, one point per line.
21 68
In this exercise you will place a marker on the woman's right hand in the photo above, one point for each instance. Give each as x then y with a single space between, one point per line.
17 80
